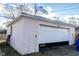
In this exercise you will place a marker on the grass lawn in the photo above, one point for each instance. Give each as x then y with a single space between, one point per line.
7 50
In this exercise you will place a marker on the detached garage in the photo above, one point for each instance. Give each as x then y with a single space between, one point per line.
49 34
28 31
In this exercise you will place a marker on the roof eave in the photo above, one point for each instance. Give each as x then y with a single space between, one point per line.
40 18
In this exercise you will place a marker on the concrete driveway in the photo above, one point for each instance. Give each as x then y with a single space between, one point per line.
59 51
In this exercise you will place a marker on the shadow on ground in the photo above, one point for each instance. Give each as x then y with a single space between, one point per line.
7 50
60 51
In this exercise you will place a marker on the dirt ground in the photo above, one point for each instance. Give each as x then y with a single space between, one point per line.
6 50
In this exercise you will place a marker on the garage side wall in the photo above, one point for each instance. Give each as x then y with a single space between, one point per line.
17 36
72 36
30 41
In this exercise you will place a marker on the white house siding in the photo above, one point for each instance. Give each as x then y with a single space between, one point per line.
30 42
17 36
8 30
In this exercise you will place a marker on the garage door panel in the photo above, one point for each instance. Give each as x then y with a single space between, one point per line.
50 34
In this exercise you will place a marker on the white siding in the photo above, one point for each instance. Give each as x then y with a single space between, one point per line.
24 31
17 36
31 28
72 36
8 30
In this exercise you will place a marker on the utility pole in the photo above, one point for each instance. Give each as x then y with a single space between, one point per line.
35 9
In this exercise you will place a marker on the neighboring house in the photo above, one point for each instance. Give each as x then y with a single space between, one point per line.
28 31
77 30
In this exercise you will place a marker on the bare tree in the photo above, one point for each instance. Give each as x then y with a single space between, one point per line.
9 12
23 8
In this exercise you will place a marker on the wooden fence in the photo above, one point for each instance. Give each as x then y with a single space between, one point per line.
2 38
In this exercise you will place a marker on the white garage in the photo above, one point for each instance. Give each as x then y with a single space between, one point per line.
28 31
49 34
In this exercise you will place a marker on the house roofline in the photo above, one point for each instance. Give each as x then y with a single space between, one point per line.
40 18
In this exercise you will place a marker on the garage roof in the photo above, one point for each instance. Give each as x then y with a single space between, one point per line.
41 19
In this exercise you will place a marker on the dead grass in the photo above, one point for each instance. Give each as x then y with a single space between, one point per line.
35 54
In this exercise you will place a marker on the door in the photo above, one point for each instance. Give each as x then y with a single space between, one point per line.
52 34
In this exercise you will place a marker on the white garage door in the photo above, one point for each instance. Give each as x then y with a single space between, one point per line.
51 34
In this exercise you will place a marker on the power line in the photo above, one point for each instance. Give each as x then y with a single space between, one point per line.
67 9
52 12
